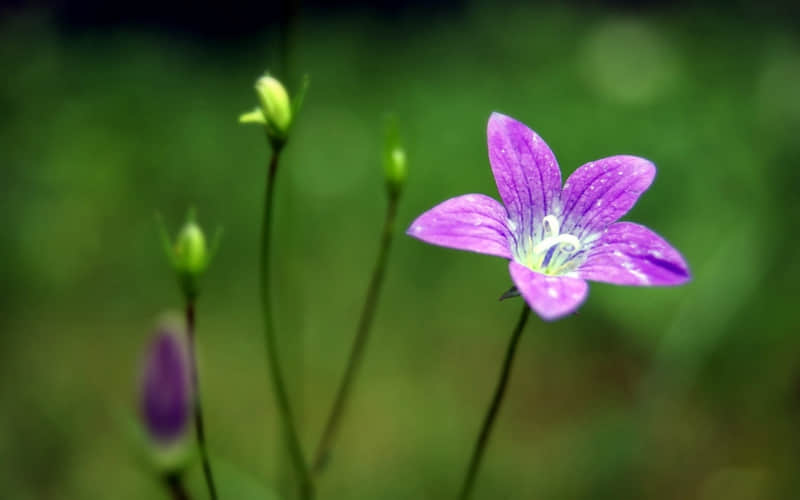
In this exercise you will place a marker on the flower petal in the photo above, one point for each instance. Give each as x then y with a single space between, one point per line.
550 296
600 192
525 171
473 222
630 254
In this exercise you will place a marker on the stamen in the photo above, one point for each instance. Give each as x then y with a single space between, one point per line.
569 264
566 243
552 255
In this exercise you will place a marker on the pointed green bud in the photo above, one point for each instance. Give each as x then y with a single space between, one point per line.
191 252
396 170
395 167
191 257
275 105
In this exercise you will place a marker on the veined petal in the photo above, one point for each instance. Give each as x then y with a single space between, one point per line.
600 192
525 171
473 222
550 296
630 254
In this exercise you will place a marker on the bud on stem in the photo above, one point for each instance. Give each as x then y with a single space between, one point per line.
275 105
395 167
167 394
189 255
166 398
276 111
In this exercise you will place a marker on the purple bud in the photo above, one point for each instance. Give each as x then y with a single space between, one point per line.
166 391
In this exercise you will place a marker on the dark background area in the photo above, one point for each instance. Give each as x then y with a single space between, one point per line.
232 20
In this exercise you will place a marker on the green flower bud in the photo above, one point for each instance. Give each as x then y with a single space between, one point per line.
191 253
275 105
190 257
395 167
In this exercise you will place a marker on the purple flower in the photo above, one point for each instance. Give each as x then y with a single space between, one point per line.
167 395
556 238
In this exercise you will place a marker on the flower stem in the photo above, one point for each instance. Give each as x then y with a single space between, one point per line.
174 485
494 407
359 342
198 410
273 359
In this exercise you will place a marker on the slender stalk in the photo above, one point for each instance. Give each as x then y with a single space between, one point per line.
273 358
359 342
198 410
293 346
174 485
494 407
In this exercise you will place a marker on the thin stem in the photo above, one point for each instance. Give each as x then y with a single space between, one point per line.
198 410
359 342
273 359
494 407
174 485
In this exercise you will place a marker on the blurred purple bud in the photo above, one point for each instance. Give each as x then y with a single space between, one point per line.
166 390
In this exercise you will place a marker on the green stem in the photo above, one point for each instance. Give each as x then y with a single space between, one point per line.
359 342
273 359
198 410
174 485
494 407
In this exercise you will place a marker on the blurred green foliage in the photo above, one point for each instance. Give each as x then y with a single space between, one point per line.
689 392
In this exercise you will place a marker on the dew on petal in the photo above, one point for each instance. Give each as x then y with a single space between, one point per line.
640 275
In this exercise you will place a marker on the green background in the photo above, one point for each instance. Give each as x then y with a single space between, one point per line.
689 392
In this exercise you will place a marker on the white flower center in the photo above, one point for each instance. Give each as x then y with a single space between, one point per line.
552 254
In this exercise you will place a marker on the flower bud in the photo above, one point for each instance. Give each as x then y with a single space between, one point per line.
167 394
395 169
275 105
191 253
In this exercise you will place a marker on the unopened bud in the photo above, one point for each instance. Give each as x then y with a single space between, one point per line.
167 394
275 105
395 167
191 252
396 170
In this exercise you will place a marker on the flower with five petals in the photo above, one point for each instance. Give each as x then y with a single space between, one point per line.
556 238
